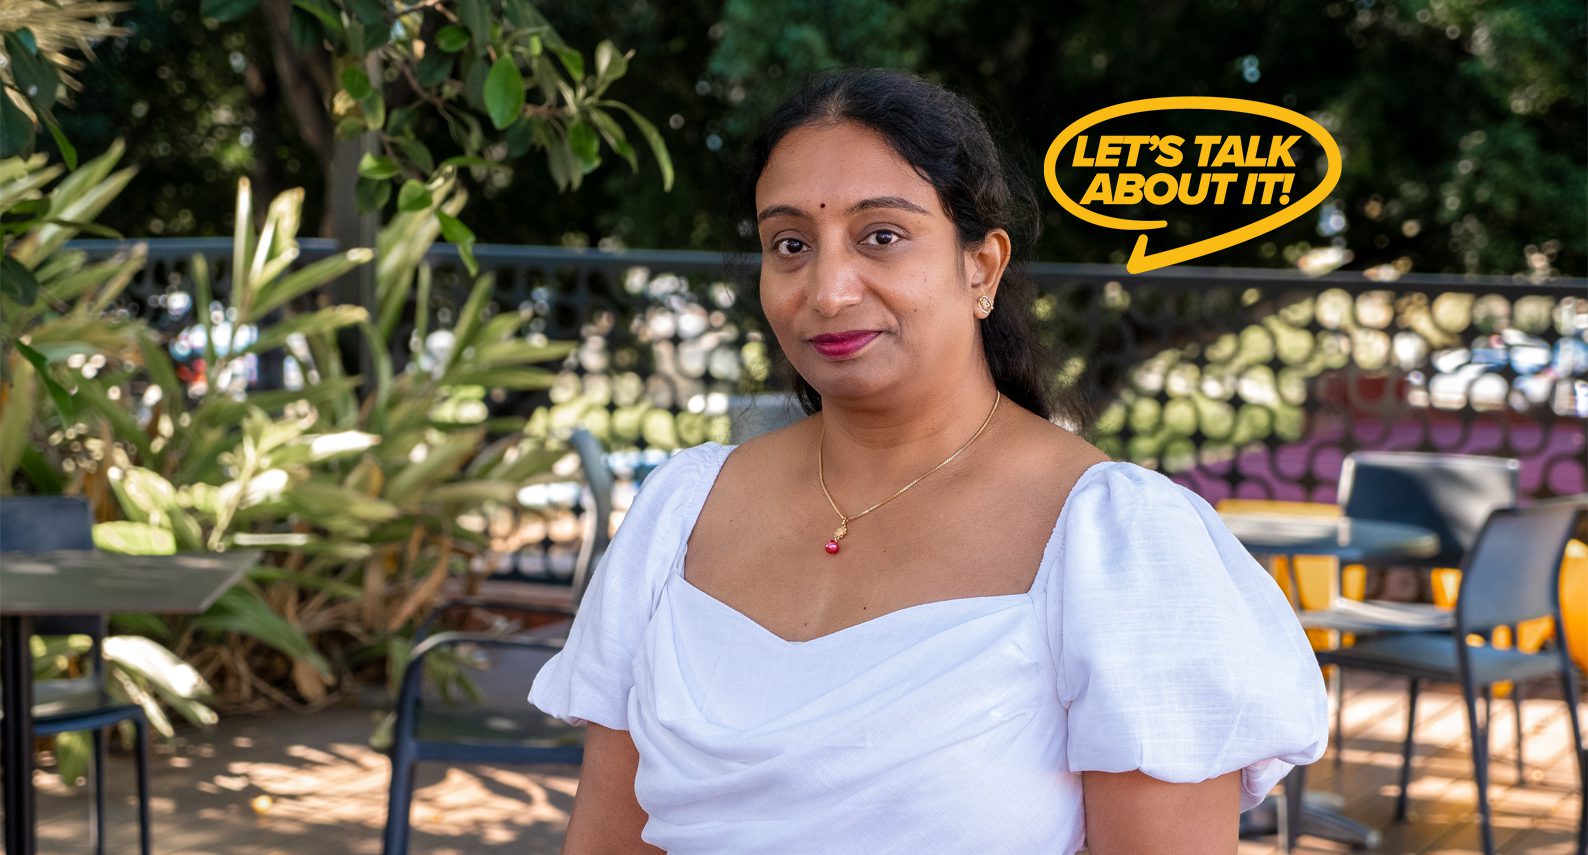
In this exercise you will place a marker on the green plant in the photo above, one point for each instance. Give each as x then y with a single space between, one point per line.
36 71
494 72
355 497
54 326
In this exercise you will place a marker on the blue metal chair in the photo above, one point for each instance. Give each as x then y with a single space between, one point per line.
1511 574
518 733
435 733
46 523
1448 494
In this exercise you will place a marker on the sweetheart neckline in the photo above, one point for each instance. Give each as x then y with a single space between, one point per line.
1048 555
1026 595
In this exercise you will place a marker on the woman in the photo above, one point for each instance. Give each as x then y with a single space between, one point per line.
926 618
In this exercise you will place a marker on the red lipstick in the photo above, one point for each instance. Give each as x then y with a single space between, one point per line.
839 345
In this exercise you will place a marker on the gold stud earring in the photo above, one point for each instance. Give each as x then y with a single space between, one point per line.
985 304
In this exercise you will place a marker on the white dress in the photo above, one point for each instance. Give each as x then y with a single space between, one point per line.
1150 640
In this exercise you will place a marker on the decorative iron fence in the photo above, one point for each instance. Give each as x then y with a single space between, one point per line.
1236 382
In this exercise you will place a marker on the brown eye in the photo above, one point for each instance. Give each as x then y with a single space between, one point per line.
793 246
891 235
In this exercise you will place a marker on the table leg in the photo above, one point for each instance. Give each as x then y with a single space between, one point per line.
1310 813
16 732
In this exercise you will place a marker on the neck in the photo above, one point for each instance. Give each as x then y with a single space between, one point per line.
872 447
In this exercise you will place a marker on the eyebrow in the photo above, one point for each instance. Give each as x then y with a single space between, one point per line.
863 205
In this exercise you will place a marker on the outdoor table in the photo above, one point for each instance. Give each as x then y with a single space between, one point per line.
82 582
1270 535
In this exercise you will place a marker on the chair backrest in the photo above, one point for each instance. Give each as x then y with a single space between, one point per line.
1512 573
598 533
1449 494
752 415
45 524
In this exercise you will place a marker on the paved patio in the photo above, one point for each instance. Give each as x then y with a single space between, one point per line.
311 785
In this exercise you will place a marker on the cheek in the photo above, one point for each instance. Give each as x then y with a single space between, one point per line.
778 299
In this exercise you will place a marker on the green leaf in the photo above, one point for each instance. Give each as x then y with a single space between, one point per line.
371 194
62 398
306 32
610 64
356 82
64 145
371 13
41 473
18 282
173 679
227 10
134 538
521 137
94 229
413 196
416 152
469 320
35 77
378 167
325 320
525 379
463 161
585 145
648 130
326 14
374 108
436 67
241 610
612 132
572 60
476 16
459 235
451 39
306 279
504 92
135 623
16 130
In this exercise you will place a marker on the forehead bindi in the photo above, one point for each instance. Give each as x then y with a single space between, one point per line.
839 170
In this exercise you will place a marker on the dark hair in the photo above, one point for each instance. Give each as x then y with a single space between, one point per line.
943 136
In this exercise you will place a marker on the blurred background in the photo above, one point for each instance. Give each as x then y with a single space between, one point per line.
385 310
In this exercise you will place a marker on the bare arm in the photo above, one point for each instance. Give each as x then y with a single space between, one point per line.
606 816
1132 812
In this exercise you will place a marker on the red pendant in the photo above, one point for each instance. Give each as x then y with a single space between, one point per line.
831 547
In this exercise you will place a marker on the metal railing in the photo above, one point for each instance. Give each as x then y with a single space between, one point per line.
1248 383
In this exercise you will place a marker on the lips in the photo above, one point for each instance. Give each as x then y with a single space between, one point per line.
843 343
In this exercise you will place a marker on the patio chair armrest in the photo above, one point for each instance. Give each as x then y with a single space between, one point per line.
423 630
413 672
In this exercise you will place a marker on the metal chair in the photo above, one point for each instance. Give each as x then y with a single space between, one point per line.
46 523
431 733
598 534
517 733
1448 494
752 415
1511 574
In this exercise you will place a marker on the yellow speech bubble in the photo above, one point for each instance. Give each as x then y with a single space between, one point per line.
1140 260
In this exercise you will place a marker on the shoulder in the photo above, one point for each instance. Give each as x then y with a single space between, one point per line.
1130 493
683 472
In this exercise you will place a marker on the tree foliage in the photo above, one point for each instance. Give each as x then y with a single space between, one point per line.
1462 121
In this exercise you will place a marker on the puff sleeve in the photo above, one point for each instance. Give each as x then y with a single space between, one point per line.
591 677
1176 653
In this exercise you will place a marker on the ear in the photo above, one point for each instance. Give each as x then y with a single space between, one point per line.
986 262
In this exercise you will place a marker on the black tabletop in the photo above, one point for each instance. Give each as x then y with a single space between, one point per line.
1344 537
81 582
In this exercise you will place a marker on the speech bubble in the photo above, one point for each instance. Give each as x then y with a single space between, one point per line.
1141 261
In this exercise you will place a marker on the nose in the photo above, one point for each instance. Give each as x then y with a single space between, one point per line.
837 283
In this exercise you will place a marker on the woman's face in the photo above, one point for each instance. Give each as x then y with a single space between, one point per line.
862 277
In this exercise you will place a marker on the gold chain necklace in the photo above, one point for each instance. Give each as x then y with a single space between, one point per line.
844 519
